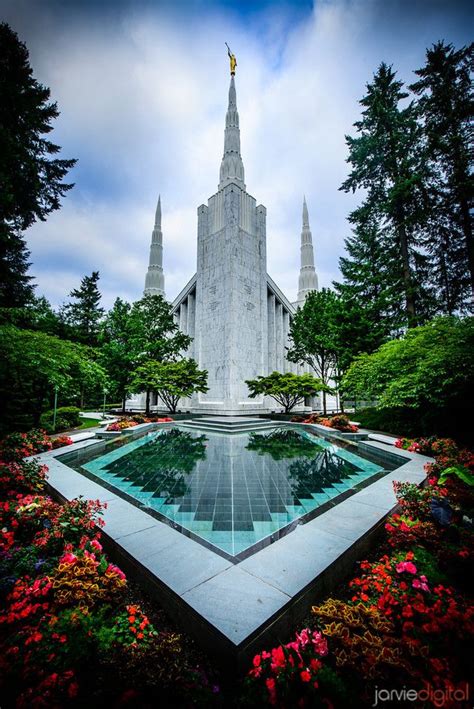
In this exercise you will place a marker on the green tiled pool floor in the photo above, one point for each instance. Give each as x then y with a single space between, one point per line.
232 491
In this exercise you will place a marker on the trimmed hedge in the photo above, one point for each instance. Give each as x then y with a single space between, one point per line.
66 417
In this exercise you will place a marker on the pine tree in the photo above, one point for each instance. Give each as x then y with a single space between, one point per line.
446 106
30 180
16 289
387 162
369 279
83 316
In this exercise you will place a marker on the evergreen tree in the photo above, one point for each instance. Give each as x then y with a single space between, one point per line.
83 316
30 180
370 284
16 289
446 106
387 162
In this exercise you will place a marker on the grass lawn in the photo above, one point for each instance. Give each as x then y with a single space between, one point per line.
89 423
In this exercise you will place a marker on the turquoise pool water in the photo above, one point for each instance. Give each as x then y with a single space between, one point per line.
233 493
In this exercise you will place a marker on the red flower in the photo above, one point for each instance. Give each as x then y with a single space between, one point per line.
305 676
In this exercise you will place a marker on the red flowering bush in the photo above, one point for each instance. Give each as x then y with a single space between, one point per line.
21 476
132 628
340 422
292 674
135 420
50 526
121 425
17 446
63 605
61 441
404 532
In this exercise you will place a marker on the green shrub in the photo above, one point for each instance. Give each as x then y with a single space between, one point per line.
66 417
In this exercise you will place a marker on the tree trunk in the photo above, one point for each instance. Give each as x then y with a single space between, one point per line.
147 404
124 399
467 230
408 285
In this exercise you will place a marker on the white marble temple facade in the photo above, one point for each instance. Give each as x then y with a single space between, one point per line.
237 316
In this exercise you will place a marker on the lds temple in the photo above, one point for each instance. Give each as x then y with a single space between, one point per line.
238 317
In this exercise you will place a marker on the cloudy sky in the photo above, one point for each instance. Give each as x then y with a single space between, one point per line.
142 89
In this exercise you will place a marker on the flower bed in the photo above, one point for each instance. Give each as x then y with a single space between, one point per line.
406 620
73 631
131 421
340 422
70 629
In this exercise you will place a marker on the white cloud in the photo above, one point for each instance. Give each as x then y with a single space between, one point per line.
143 102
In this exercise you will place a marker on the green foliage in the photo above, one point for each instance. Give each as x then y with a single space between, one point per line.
117 355
31 365
30 179
155 335
430 366
422 382
458 471
286 389
82 317
66 417
131 335
35 315
172 381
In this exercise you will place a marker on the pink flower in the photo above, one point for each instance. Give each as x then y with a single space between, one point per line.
96 545
421 583
304 637
320 644
68 558
406 566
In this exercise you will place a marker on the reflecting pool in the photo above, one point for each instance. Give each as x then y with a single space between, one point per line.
233 493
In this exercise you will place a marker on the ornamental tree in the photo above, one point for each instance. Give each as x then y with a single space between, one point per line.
172 381
288 389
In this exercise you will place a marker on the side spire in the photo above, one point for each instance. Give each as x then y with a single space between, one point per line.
308 280
158 214
155 278
232 167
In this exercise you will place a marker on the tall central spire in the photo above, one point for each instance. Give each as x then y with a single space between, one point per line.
308 280
232 167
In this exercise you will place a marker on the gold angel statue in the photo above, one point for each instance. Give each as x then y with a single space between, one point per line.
233 60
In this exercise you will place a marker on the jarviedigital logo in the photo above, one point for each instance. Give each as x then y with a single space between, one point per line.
438 697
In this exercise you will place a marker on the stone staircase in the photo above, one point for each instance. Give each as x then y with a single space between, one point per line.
229 424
